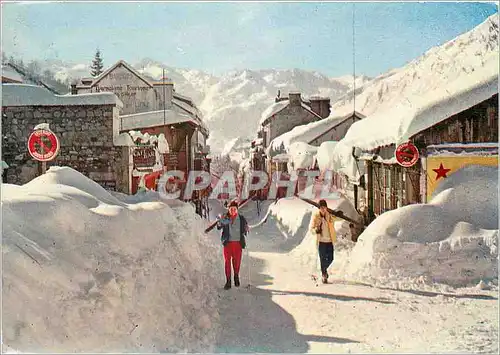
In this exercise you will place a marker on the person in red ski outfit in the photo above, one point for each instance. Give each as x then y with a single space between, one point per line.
234 230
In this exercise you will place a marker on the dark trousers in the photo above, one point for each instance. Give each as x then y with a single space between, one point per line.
325 256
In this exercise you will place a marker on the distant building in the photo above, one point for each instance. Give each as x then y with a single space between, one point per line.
153 107
289 112
281 117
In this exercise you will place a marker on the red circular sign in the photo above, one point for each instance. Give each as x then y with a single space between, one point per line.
407 154
43 145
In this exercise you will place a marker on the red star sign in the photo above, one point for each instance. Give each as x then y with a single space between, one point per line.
441 172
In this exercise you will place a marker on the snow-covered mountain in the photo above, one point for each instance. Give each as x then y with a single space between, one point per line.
233 106
437 67
232 103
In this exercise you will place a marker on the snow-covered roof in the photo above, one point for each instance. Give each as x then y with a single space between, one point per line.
193 110
306 133
307 108
418 113
272 110
488 145
484 149
187 107
32 95
9 73
160 81
153 119
277 107
413 115
176 95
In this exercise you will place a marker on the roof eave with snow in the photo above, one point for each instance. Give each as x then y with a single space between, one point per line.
415 117
155 119
308 133
32 95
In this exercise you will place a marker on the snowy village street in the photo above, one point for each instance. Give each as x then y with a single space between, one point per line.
284 310
250 177
92 285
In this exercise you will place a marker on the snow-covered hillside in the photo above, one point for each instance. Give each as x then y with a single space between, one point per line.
88 271
435 68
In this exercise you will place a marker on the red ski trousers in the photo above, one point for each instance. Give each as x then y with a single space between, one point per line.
232 252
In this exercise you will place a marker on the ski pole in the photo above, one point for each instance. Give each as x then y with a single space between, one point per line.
248 264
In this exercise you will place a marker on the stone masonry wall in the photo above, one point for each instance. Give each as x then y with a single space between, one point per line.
86 143
288 118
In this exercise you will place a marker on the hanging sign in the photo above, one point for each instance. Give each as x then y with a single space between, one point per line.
407 154
144 156
43 145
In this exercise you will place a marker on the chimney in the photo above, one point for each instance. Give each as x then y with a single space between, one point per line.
321 106
164 86
74 91
294 98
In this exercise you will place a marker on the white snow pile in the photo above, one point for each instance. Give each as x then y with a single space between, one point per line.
324 155
302 155
84 271
452 240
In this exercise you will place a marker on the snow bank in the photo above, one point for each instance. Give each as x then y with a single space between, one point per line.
452 240
324 155
85 271
302 155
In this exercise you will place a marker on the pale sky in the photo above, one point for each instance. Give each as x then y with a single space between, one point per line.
219 37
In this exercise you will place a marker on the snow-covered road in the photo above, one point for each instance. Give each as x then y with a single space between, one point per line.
285 311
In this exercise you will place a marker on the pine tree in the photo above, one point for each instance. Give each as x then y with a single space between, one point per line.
96 67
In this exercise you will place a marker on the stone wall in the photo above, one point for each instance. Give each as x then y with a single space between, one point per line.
289 118
86 143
